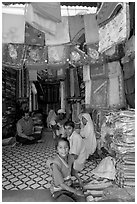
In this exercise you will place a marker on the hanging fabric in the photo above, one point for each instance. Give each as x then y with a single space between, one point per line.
119 24
36 57
38 22
76 84
107 11
72 83
76 27
91 29
61 35
13 28
58 55
86 73
88 92
33 36
48 10
13 55
32 75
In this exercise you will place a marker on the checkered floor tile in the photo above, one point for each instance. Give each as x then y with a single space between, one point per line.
24 167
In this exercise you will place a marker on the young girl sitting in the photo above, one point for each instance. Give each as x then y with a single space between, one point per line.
62 170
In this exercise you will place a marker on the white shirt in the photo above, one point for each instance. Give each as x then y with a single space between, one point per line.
77 146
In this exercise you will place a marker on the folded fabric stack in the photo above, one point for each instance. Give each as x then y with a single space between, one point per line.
38 123
94 189
124 146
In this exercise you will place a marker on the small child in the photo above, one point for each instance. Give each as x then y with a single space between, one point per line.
62 170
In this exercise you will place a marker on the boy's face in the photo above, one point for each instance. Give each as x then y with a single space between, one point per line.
63 149
69 130
26 116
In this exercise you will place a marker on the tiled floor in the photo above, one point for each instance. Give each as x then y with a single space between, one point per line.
24 167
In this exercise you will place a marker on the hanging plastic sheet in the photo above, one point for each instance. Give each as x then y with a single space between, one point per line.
33 36
61 35
120 24
36 57
76 27
13 55
13 28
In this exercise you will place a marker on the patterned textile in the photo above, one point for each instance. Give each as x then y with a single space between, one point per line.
13 55
107 11
61 35
76 27
124 146
120 24
91 29
13 28
36 57
33 36
58 55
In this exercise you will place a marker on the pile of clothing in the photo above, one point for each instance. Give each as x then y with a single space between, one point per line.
38 122
124 146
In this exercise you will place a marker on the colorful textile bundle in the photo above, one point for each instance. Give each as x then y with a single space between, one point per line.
13 55
124 146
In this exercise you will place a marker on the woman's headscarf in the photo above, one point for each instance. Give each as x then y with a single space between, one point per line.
87 131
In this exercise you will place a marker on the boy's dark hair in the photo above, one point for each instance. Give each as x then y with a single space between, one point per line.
62 139
25 111
69 123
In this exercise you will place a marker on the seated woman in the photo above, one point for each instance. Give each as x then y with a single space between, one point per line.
25 130
88 134
62 170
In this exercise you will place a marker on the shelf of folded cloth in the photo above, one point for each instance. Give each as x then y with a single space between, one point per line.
124 146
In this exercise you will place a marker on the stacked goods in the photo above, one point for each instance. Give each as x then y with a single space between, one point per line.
38 123
94 189
124 146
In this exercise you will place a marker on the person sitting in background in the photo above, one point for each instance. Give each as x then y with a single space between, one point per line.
88 134
25 130
77 146
61 168
51 122
60 120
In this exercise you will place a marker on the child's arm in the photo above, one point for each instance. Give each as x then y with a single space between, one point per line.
59 180
75 173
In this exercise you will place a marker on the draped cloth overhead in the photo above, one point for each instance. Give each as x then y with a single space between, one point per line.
61 35
39 22
13 28
33 36
76 27
48 10
91 28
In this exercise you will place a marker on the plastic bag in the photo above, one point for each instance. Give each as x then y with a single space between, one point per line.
106 168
